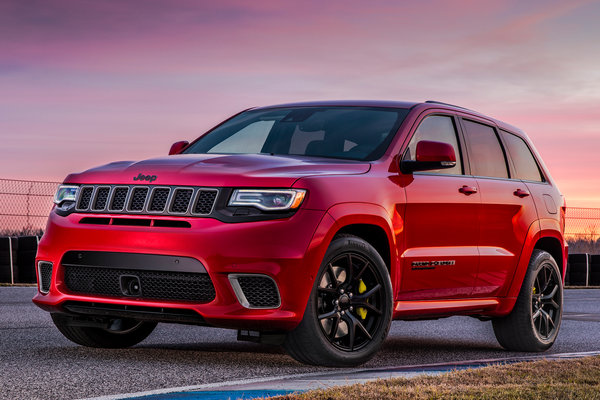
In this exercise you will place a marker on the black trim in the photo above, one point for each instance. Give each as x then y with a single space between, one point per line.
157 314
135 261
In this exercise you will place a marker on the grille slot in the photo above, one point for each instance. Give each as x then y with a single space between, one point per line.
101 198
181 200
138 199
159 199
205 201
156 285
255 291
85 197
45 276
118 199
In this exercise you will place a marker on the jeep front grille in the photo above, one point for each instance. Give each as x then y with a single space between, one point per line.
153 200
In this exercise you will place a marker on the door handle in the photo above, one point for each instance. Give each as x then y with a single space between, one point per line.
521 193
468 190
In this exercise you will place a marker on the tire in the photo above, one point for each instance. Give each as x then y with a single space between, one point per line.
122 333
350 331
534 322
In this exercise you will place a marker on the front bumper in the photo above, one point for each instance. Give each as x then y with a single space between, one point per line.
287 251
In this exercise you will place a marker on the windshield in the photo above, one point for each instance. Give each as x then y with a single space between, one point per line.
354 133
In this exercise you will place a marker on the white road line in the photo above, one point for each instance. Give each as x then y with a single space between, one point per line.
343 375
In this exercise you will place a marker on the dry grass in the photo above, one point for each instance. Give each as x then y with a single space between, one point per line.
568 379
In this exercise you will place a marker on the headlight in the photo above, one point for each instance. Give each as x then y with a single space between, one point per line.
268 199
65 193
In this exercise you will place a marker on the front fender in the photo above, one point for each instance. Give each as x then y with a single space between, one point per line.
346 214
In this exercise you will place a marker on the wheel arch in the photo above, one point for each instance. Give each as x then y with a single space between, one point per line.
553 246
548 240
372 234
371 223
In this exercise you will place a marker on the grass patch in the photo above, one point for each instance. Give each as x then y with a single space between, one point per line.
565 379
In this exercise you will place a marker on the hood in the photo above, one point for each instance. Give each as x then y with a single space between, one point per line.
249 170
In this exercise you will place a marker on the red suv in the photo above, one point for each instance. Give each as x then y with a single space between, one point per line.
313 225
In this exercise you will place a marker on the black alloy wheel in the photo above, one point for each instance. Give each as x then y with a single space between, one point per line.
349 301
546 298
349 310
534 322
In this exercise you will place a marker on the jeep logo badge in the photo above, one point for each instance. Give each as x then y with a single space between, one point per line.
142 177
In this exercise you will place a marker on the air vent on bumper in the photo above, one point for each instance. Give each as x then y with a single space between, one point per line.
255 290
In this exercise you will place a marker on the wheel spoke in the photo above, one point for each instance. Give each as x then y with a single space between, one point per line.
362 270
536 314
369 306
332 277
327 290
551 294
330 314
546 322
357 324
351 332
334 327
546 280
350 270
367 295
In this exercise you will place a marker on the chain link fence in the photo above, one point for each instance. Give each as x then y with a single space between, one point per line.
25 205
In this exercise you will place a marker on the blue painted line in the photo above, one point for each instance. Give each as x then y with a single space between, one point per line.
218 395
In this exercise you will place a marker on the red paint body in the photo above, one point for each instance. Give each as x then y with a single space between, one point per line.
489 232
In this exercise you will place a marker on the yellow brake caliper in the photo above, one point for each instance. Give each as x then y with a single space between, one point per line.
362 312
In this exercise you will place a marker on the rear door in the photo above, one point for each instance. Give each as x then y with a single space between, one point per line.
507 208
441 228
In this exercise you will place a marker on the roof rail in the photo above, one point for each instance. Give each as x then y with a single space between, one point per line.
448 104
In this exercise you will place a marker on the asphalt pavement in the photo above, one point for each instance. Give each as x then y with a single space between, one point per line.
37 362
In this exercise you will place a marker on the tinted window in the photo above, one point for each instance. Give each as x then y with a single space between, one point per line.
485 152
525 165
356 133
437 128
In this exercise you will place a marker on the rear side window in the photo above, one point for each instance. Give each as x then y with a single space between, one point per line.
485 152
437 128
525 165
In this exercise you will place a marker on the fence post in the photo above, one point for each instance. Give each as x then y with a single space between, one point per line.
11 261
588 258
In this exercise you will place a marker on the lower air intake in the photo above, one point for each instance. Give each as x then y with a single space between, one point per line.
45 276
155 285
255 291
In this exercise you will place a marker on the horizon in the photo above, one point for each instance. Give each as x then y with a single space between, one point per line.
85 83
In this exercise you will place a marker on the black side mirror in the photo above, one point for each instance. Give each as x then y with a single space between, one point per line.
430 155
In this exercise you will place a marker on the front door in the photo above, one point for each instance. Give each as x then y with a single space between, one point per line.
441 225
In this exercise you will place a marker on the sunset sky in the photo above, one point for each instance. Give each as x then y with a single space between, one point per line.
83 83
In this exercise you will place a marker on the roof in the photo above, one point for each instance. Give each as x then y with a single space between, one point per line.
391 104
348 103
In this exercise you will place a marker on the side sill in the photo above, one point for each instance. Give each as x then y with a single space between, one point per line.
442 308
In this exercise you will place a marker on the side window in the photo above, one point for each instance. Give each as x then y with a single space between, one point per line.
524 162
437 128
485 152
